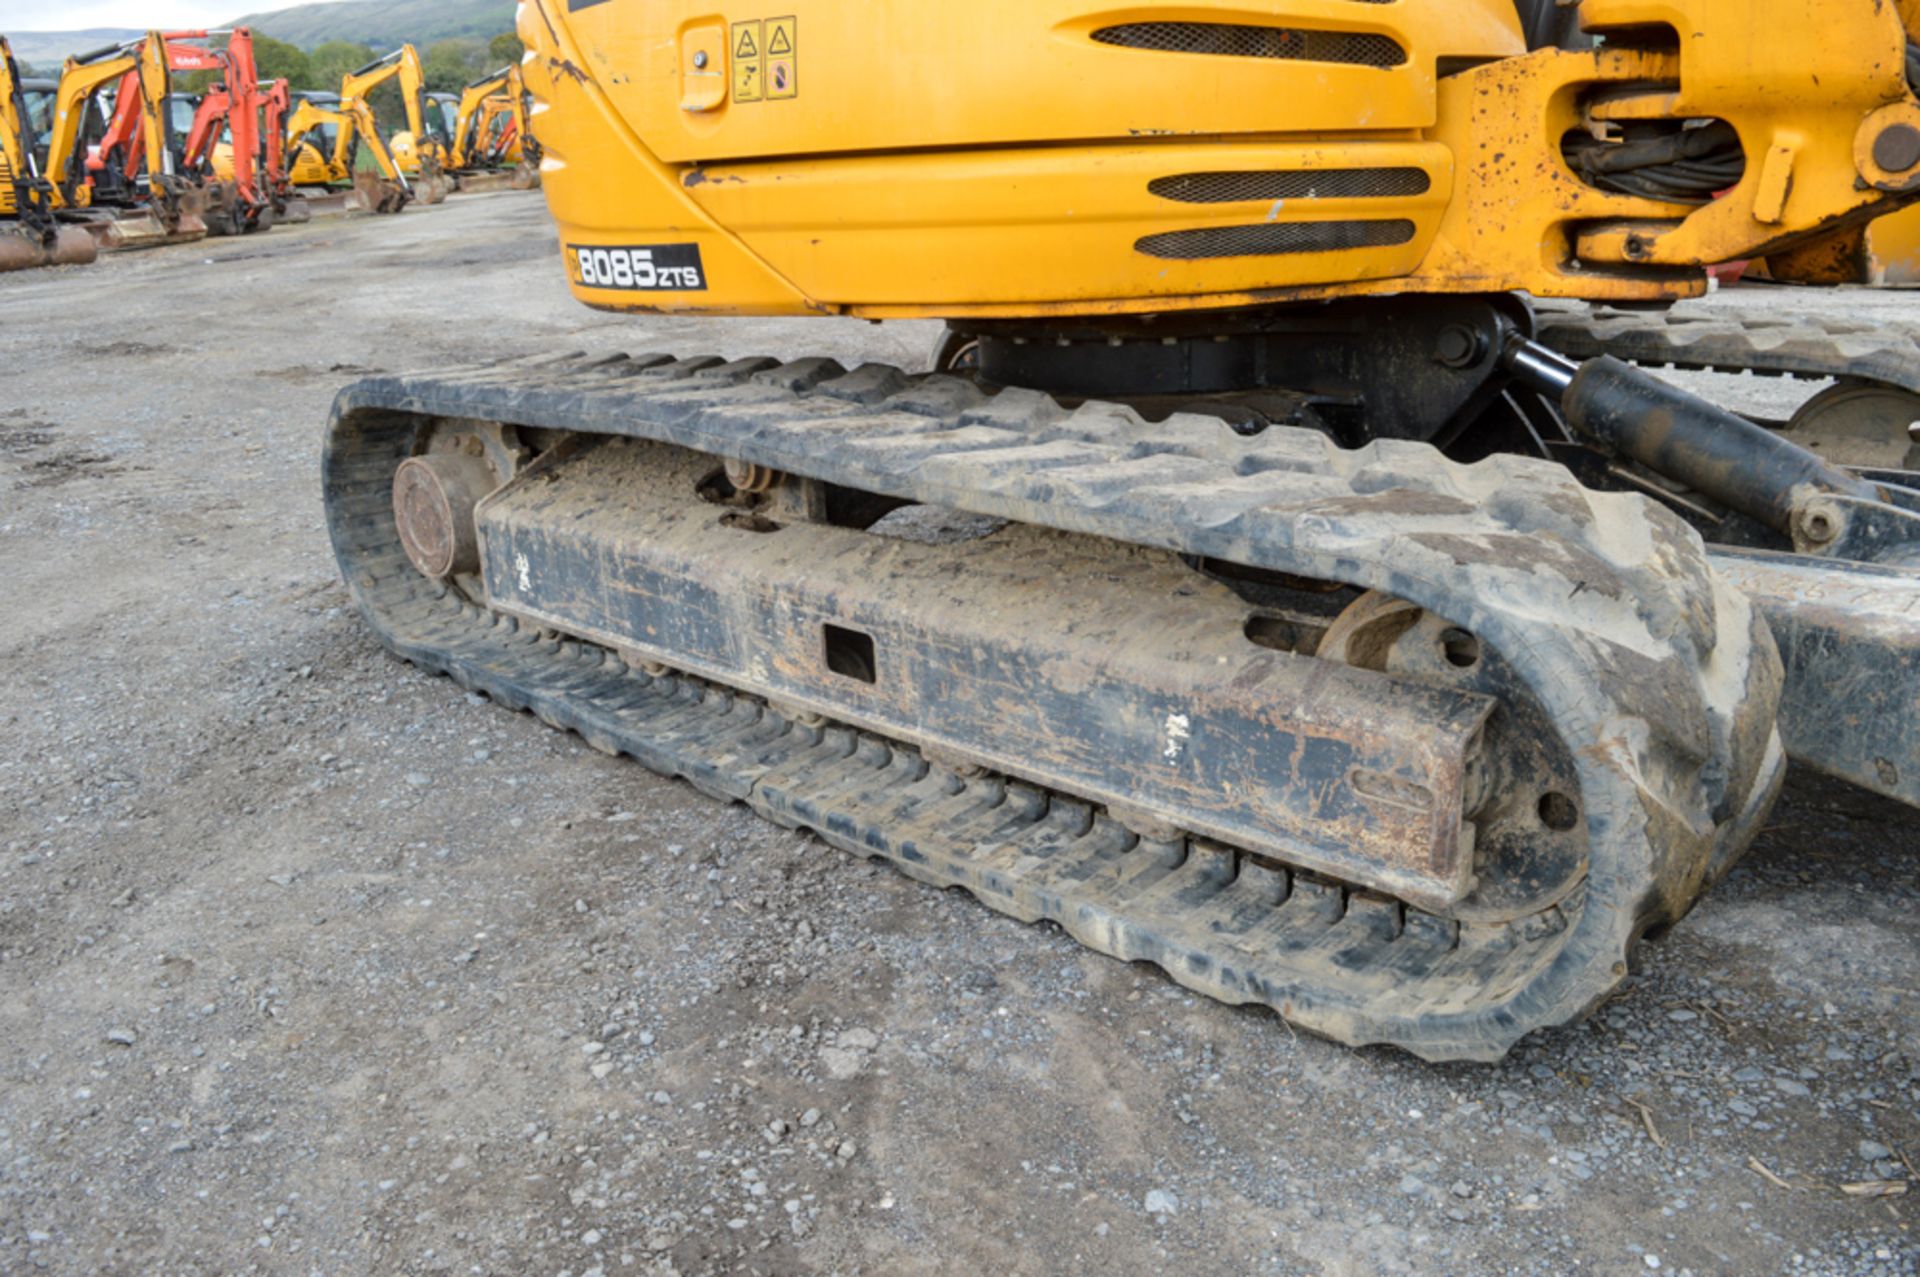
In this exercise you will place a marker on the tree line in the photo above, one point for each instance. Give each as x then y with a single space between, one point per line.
448 64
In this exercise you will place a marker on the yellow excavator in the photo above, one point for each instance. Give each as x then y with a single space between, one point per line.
325 130
310 151
30 230
502 125
323 137
418 150
488 131
1293 572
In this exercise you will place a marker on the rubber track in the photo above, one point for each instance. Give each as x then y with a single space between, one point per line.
1661 678
1773 345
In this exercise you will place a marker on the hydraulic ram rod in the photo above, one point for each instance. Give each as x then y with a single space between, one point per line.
1635 414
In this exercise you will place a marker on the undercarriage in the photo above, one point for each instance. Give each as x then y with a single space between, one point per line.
1411 749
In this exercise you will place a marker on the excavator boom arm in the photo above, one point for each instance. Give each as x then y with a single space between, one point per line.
14 146
467 141
143 64
403 64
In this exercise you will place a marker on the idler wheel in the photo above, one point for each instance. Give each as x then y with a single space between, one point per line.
433 501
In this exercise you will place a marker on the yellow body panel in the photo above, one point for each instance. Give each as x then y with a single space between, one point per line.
1069 157
1078 209
405 152
307 166
997 73
1893 248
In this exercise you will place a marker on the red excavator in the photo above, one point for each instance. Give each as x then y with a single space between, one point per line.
237 202
242 202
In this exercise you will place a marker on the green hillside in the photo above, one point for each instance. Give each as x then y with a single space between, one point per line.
384 23
46 50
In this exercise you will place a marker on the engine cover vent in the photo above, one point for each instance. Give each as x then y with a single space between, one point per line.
1292 184
1273 238
1235 40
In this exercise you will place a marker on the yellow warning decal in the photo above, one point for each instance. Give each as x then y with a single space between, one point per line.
766 59
749 62
783 57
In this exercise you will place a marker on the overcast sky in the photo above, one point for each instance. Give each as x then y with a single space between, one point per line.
74 15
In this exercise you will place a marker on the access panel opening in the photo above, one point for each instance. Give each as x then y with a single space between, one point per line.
849 653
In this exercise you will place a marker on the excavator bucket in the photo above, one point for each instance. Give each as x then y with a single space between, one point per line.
375 194
432 186
493 180
224 214
22 248
147 228
138 230
293 210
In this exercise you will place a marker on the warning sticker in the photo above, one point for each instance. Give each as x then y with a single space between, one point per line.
749 62
783 57
766 59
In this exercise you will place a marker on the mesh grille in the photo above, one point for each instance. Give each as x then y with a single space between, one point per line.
1236 41
1300 184
1274 238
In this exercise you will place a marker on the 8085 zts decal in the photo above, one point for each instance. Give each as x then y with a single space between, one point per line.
643 267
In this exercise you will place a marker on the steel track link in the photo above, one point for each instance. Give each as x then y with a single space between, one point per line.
1660 679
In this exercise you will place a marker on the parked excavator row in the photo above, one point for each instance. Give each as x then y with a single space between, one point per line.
450 142
226 140
115 154
109 163
107 155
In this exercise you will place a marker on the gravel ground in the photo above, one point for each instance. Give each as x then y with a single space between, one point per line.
312 963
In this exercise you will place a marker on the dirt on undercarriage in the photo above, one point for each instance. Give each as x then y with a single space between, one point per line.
313 963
